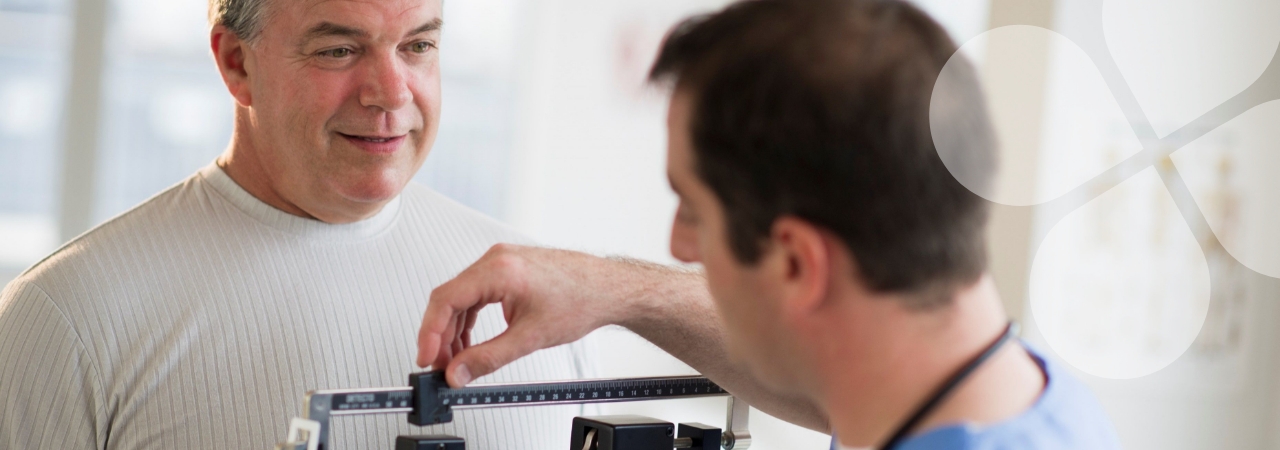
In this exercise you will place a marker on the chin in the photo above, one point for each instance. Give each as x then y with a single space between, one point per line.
755 362
374 190
765 365
773 375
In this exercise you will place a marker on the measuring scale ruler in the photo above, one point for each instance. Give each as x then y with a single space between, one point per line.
429 400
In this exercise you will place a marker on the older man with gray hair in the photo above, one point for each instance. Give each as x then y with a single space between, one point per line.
302 259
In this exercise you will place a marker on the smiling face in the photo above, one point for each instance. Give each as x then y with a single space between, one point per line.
339 105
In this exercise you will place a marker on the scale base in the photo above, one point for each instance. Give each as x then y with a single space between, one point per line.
431 442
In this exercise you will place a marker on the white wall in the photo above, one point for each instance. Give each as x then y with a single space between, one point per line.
589 163
589 169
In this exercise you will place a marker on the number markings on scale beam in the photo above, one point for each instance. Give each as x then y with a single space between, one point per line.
590 391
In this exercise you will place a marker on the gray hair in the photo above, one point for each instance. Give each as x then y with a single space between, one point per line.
242 17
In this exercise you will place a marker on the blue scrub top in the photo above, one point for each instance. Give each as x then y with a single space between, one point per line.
1067 416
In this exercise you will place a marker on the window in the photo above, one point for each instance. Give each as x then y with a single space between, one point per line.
165 112
33 62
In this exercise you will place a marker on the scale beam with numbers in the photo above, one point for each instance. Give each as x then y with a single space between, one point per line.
429 400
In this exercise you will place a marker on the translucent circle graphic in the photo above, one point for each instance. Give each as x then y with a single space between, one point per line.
1049 143
1230 172
1120 288
1182 58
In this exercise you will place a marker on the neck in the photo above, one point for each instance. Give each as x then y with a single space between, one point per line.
913 354
243 163
247 165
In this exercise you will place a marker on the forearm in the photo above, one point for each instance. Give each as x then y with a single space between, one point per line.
673 309
551 297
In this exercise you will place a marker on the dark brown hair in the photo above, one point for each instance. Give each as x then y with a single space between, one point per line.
820 109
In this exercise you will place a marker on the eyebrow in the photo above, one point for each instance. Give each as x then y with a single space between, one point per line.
324 29
433 25
332 29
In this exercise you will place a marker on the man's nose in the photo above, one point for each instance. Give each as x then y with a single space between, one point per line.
387 85
684 245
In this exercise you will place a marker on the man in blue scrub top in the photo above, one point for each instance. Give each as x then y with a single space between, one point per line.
844 285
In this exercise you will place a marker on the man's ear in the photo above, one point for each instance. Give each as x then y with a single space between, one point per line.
229 54
807 265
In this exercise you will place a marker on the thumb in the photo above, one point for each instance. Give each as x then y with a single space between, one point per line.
485 358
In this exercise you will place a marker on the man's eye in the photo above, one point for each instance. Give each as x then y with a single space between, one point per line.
421 47
336 53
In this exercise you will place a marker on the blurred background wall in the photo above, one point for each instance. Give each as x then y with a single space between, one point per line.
1133 231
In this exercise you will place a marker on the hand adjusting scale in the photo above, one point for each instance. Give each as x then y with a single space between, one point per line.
429 400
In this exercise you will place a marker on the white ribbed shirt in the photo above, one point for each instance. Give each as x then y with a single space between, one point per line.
198 320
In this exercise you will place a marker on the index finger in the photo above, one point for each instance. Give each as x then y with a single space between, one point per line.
447 303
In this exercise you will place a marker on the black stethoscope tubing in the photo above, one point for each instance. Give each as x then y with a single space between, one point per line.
941 394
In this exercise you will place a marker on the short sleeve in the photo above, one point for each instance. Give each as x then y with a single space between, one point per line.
50 389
